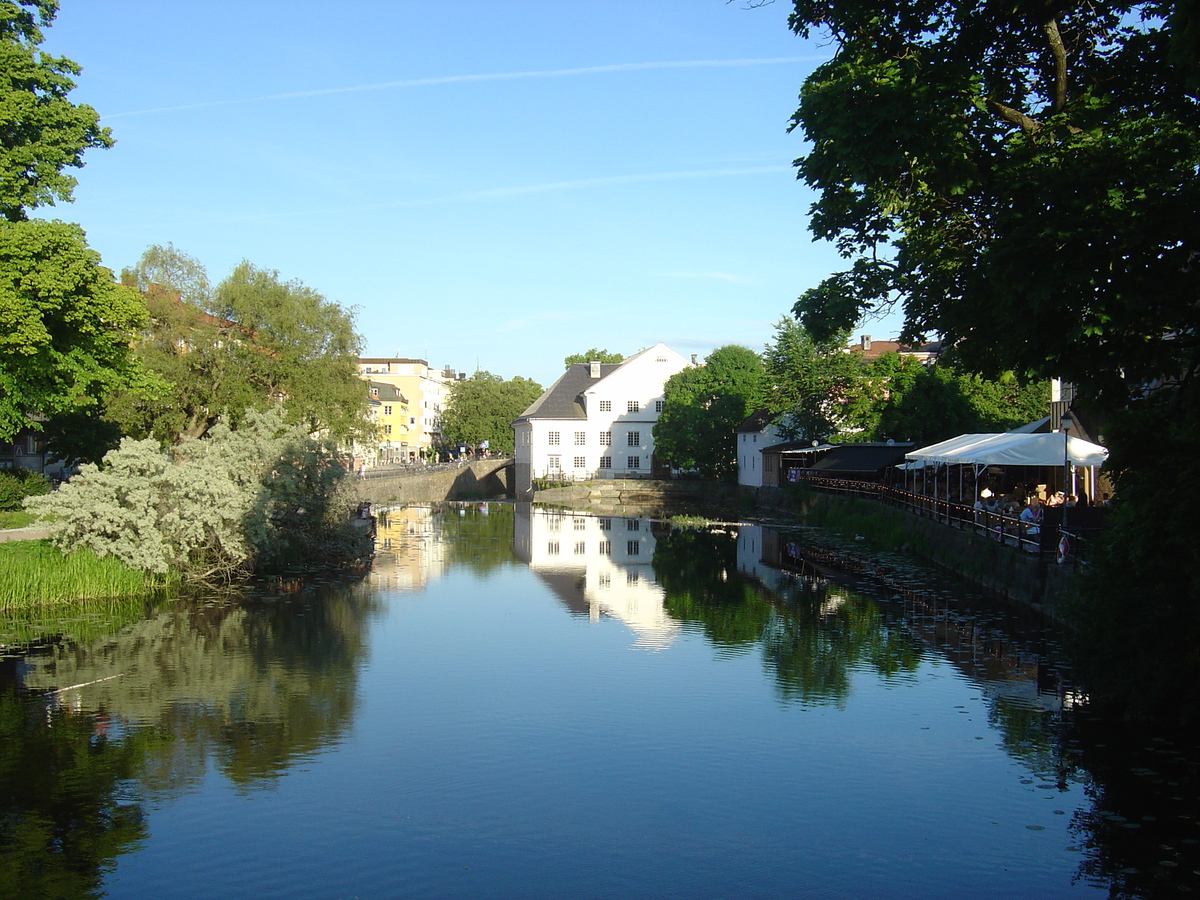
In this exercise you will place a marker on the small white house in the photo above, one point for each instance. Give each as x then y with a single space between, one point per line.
596 421
753 435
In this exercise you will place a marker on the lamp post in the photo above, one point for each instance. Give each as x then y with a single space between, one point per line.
1065 423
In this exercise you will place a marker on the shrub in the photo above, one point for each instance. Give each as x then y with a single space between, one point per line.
213 508
18 484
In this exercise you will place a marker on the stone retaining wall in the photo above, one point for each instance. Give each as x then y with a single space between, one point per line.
486 478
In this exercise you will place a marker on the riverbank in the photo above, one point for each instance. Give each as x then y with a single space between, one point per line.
1004 571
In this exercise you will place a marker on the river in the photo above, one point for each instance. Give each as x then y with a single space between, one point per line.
517 702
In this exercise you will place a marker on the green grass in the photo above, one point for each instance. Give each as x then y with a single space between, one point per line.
35 573
16 518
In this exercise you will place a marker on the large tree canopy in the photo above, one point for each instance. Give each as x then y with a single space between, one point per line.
702 405
1021 177
41 131
65 326
482 408
257 342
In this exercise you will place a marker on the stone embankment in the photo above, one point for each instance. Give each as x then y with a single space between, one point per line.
482 479
637 496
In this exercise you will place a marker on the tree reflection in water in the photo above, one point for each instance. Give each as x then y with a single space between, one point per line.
249 686
811 638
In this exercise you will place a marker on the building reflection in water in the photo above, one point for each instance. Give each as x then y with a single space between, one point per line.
409 549
598 566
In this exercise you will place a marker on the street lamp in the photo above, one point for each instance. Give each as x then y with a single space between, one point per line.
1065 423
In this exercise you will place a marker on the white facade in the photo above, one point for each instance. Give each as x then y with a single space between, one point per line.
749 453
596 421
600 566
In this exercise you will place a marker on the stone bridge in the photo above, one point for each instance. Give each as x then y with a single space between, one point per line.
484 478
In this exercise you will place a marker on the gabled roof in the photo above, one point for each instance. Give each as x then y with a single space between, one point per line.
759 421
562 400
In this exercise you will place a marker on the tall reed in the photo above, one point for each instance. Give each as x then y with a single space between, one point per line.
35 573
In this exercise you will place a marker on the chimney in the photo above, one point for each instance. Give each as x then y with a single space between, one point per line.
866 342
594 369
694 359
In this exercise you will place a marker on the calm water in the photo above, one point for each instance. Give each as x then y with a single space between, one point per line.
526 704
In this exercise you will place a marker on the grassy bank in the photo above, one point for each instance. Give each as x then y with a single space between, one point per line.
35 573
16 518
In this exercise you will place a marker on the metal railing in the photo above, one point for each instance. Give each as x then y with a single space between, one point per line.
1043 538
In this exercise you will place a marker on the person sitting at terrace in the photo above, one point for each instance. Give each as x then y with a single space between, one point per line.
1031 516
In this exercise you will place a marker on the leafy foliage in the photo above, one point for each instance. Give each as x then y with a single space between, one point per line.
806 377
262 495
482 408
258 341
1022 177
44 133
18 484
702 405
593 355
172 269
65 327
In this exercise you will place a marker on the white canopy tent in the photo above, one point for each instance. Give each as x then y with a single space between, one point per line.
979 451
1011 449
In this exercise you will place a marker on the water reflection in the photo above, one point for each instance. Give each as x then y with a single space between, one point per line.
92 731
98 733
599 566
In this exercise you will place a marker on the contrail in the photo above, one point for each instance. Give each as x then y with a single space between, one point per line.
493 76
521 190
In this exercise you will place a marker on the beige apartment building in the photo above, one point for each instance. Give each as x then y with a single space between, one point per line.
425 391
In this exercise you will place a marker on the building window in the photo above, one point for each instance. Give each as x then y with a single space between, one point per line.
604 579
553 523
580 548
634 547
606 524
605 438
635 462
580 438
554 463
580 462
375 393
554 438
387 410
605 550
633 524
658 406
387 429
580 524
606 462
605 406
634 439
633 406
552 548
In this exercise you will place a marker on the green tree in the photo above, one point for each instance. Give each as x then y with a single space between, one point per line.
43 132
593 355
941 403
65 326
808 379
482 408
1023 178
172 269
702 405
257 342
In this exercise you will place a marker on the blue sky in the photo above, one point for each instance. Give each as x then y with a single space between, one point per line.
491 184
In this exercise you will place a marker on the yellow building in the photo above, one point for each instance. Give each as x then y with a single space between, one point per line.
395 437
425 390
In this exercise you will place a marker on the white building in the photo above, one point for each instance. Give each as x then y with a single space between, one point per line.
753 435
596 421
599 567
